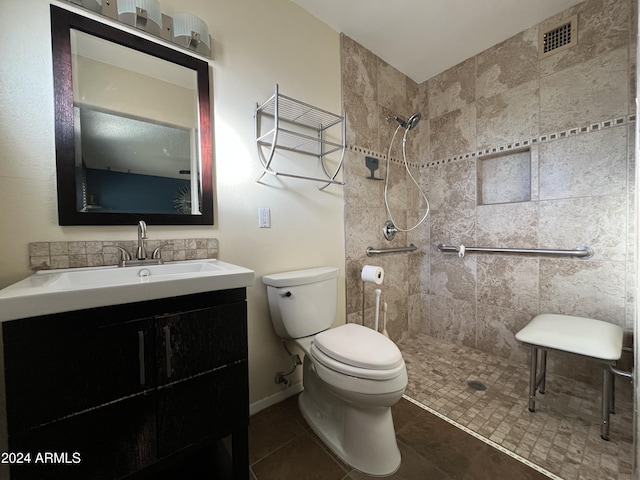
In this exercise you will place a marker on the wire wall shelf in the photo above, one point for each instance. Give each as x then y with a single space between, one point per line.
305 132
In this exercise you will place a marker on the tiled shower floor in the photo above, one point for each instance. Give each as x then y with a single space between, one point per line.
562 437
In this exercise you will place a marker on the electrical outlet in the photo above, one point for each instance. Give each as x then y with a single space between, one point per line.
264 217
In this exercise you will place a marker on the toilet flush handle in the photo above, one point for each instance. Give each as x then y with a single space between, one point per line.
286 294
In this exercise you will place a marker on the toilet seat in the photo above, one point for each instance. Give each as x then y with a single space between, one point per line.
357 372
359 352
360 347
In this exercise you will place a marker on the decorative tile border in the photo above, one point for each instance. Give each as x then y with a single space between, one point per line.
378 155
513 455
525 143
52 255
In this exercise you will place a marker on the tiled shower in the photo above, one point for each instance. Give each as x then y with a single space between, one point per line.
515 151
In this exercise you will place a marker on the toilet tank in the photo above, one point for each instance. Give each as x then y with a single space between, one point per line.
302 302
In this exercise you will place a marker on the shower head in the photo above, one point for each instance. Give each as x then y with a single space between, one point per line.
410 123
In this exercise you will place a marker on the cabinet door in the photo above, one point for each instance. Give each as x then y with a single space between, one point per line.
110 442
199 341
65 372
203 390
207 406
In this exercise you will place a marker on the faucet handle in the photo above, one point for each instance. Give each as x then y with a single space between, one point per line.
124 255
157 252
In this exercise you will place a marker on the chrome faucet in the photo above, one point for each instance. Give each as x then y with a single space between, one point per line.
141 252
141 258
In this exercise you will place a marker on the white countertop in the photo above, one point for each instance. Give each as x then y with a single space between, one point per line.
55 291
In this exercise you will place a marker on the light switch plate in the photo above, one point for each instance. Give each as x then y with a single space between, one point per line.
264 217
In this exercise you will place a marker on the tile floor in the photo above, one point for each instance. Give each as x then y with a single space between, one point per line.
447 431
282 447
562 437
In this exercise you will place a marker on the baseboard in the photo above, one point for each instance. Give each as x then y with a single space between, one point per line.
275 398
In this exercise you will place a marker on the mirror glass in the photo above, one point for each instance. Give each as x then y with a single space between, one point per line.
133 136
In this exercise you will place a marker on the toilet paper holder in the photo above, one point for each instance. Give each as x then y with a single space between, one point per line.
374 275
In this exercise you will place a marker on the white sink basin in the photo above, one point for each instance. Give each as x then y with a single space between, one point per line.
54 291
103 277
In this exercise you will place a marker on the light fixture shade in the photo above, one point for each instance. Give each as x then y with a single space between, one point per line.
190 30
151 7
93 5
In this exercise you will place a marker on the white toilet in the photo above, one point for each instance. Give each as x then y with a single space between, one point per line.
352 375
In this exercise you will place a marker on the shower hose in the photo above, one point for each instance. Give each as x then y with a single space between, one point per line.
406 166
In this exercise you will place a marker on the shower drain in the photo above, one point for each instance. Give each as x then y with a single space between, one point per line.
477 385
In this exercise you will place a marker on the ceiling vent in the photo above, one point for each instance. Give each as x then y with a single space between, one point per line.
559 37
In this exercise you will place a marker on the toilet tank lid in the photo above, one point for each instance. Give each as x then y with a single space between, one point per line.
300 277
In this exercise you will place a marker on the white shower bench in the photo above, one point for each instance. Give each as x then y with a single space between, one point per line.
594 339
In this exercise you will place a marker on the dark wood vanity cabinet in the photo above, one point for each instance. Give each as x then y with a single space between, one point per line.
122 391
192 348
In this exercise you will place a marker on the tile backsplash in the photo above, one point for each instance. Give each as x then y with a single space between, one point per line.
95 253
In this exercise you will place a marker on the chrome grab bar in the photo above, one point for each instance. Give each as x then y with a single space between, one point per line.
581 251
377 251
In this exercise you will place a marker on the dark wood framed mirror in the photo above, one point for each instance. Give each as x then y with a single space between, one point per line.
132 128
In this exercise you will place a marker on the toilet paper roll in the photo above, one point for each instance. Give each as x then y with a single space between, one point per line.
372 274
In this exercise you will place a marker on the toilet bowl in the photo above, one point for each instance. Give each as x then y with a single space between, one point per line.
352 375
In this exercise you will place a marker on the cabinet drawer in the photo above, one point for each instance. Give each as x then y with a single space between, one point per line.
51 377
207 406
112 441
198 341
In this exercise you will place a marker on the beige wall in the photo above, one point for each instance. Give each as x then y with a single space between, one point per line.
256 45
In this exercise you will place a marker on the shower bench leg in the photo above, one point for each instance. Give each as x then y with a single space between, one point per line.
537 381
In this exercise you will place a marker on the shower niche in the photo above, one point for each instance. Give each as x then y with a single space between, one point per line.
505 177
284 124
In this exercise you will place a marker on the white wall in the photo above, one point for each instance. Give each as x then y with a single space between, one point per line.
256 45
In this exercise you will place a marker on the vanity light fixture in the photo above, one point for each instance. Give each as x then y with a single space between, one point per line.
183 29
191 31
142 14
93 5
